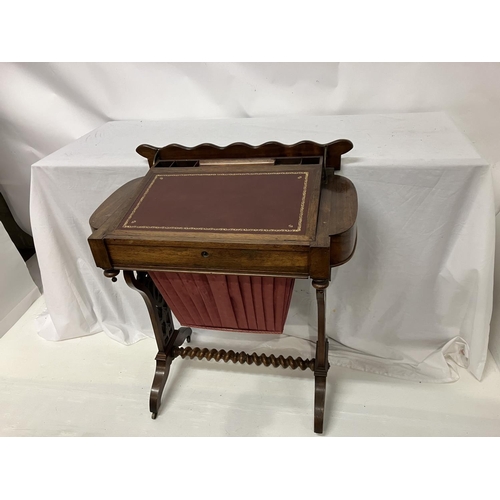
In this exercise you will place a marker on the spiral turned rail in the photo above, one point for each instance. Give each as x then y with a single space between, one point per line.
243 357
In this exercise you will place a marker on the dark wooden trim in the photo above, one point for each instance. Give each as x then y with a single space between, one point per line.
149 152
99 251
336 226
322 365
330 153
255 262
334 152
123 195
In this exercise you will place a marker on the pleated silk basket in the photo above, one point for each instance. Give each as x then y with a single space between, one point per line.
226 302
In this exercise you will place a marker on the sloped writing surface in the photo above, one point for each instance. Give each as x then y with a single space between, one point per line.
238 201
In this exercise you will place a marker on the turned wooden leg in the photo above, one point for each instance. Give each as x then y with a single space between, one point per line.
321 366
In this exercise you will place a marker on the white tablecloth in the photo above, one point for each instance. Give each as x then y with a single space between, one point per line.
416 295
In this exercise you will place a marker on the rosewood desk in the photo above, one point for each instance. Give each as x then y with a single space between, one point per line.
218 235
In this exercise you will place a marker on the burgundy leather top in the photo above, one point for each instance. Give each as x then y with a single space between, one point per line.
199 199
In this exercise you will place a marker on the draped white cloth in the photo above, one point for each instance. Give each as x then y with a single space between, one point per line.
417 295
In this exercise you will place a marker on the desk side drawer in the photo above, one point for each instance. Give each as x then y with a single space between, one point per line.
209 260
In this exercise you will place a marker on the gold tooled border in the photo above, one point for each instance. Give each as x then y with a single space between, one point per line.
243 230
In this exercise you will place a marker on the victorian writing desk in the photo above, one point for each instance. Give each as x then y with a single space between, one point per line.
219 234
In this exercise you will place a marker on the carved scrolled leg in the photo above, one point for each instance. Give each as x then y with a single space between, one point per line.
321 367
163 326
163 363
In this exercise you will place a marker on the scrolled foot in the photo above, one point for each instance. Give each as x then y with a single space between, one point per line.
163 363
319 403
183 334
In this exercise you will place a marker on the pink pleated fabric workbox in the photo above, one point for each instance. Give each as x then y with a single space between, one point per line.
227 302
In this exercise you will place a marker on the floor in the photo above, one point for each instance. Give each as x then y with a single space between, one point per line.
94 386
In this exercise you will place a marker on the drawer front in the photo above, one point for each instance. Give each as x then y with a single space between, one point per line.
217 260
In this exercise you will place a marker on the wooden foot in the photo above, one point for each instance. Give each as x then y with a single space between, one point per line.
163 363
182 335
319 403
